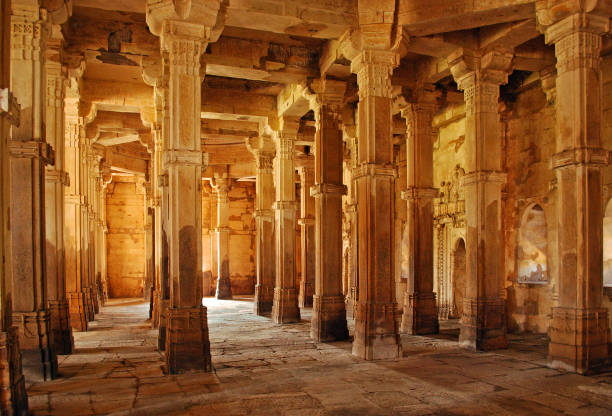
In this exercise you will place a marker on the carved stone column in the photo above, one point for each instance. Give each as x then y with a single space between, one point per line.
350 212
83 172
483 323
56 178
307 237
263 150
285 307
420 311
28 155
376 332
13 400
164 288
579 329
75 290
184 30
221 185
93 212
328 311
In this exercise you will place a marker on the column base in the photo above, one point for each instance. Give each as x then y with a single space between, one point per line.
38 358
579 340
59 327
306 294
224 288
13 396
77 311
483 324
264 296
420 315
285 307
328 319
163 323
187 343
376 336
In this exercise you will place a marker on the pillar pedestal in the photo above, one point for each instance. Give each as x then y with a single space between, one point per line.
328 319
14 399
77 310
187 344
578 340
483 324
59 327
285 305
38 358
420 314
163 323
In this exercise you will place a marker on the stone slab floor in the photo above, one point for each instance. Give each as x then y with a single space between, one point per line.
265 369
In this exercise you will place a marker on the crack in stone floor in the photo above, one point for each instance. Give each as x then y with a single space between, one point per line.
267 369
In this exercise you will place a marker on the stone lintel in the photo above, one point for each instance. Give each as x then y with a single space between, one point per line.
413 193
319 189
474 178
580 156
32 149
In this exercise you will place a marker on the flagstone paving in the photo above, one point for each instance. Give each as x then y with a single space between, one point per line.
267 369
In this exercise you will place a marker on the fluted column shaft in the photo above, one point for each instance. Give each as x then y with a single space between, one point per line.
263 151
483 323
328 311
29 153
376 331
56 179
285 306
221 187
579 330
307 237
420 314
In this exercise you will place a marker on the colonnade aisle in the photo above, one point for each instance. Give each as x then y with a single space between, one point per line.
262 368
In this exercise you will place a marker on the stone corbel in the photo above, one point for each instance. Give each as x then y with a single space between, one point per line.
32 150
9 107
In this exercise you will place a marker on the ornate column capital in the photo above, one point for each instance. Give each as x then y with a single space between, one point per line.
471 68
328 95
264 150
374 68
200 12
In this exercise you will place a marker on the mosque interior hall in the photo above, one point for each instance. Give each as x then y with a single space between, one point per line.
305 208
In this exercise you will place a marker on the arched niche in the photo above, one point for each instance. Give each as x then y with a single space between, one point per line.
459 274
532 248
607 245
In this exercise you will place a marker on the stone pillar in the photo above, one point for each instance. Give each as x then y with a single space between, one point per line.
263 150
285 306
13 400
579 327
328 311
483 323
164 288
56 179
73 199
307 237
420 315
83 172
350 211
184 33
28 155
221 185
376 332
93 176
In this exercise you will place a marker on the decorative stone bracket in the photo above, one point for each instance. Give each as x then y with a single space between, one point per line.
9 107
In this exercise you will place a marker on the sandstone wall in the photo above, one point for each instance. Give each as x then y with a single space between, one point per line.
126 238
242 239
